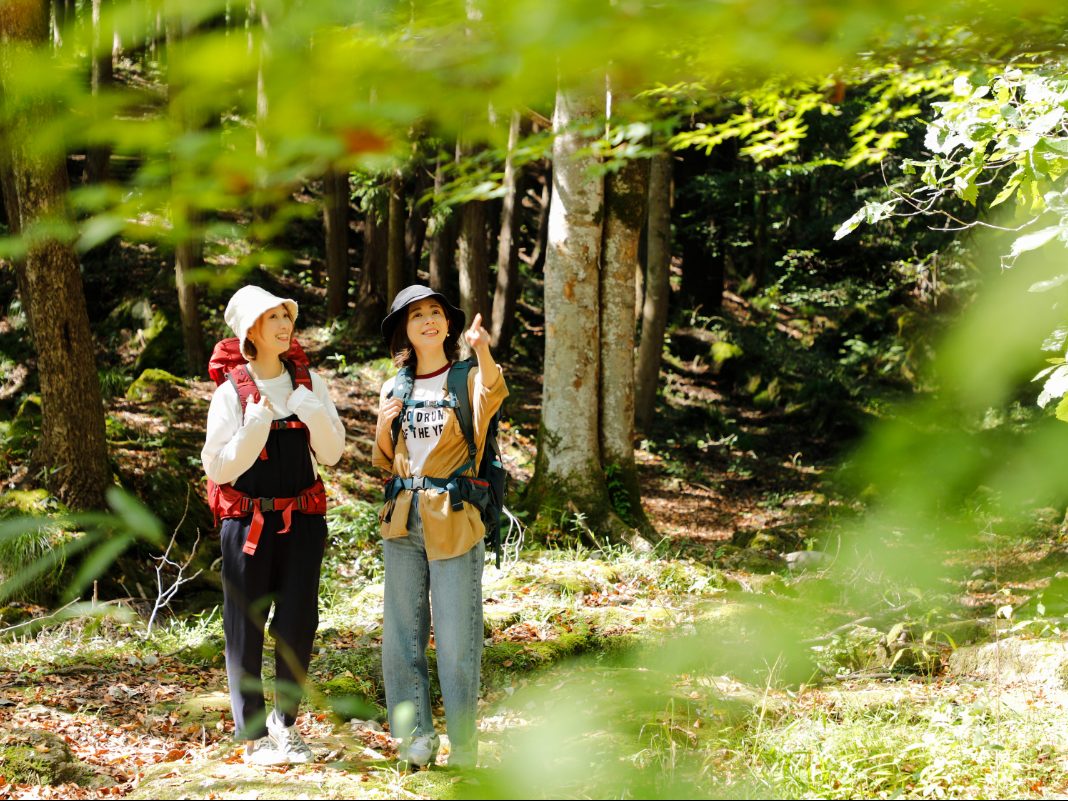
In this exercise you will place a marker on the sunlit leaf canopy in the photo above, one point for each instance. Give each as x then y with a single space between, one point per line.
236 109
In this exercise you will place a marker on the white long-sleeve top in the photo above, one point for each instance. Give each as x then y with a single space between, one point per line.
232 445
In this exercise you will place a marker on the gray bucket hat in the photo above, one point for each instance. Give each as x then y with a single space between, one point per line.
409 295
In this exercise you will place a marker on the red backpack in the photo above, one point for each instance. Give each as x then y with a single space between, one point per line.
227 363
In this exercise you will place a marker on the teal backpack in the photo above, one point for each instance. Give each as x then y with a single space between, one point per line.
486 489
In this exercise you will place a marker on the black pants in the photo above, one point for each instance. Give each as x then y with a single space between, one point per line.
284 572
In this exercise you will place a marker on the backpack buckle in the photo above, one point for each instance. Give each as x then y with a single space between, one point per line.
266 504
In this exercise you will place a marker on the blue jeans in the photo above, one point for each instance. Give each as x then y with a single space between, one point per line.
455 599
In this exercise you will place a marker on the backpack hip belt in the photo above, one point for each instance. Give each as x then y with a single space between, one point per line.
235 503
460 488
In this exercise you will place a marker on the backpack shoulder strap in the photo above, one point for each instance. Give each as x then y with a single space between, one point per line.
456 383
402 388
298 373
244 385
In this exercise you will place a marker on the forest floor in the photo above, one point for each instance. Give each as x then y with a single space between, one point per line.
702 669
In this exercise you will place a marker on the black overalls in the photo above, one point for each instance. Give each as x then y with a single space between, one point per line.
284 571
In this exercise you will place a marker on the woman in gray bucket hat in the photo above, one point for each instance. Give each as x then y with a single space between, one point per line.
432 535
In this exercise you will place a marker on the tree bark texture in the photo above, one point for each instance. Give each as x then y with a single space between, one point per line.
625 203
187 256
371 295
189 249
443 243
395 253
507 289
418 219
541 227
72 441
657 291
336 229
569 470
474 262
97 157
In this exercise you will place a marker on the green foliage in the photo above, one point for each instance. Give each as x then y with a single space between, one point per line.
33 545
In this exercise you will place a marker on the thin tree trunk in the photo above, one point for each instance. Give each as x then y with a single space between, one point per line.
569 472
97 157
474 261
418 220
541 238
397 216
625 202
443 243
504 297
72 443
189 248
187 257
336 229
371 296
657 291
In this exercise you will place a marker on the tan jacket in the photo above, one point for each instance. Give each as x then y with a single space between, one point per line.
447 533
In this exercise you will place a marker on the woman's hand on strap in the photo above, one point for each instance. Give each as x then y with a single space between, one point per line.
390 409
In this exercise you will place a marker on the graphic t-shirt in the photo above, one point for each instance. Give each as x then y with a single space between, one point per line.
422 427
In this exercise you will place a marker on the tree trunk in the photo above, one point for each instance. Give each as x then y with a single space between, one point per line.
569 473
474 261
187 256
336 229
395 259
189 248
443 243
97 157
541 237
371 296
657 291
72 444
507 289
625 202
418 219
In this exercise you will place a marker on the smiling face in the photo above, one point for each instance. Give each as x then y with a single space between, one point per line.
272 332
427 324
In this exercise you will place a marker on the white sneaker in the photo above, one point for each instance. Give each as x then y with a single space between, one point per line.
420 752
262 752
287 741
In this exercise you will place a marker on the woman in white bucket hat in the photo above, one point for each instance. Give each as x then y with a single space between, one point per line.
269 422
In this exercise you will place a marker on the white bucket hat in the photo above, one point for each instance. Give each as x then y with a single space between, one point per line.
246 306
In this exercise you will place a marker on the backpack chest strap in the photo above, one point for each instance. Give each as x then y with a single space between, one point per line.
282 425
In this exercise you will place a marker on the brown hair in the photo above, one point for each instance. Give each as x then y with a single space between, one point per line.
249 350
400 348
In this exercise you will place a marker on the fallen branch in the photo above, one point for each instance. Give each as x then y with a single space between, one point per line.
39 620
164 596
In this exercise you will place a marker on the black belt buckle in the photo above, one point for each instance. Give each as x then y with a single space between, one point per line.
266 504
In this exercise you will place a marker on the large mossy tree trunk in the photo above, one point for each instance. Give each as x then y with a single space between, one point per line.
72 445
657 291
625 202
336 196
569 475
507 288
